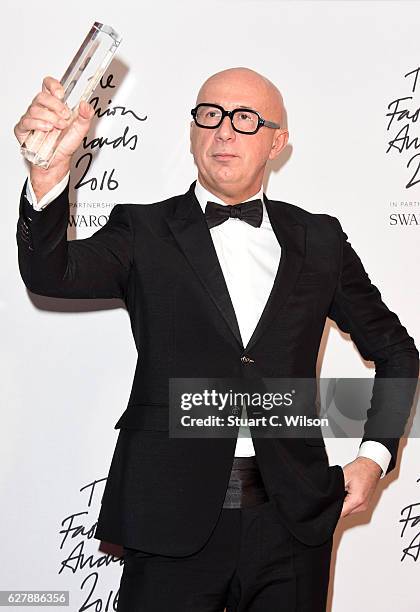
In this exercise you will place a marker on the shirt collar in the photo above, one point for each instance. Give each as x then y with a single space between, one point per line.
203 196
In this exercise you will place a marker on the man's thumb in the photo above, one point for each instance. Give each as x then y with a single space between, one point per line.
85 113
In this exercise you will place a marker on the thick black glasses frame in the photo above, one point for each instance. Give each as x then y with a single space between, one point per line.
230 114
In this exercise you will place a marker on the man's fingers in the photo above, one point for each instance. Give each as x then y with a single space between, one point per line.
48 111
39 118
42 113
45 112
50 102
26 124
53 87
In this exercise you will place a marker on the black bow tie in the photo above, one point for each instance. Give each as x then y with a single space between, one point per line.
251 212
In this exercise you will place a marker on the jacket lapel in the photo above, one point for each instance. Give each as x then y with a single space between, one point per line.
291 236
190 229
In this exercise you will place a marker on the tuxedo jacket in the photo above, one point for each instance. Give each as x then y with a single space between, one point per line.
164 495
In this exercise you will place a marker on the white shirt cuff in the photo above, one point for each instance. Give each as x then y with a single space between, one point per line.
377 452
48 197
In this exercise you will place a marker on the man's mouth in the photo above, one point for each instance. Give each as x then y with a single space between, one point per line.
224 155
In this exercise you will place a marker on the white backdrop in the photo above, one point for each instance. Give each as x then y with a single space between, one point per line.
339 65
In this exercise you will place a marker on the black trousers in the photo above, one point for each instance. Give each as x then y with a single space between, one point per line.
250 563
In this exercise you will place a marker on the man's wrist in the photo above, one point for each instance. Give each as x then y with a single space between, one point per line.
371 463
378 452
43 180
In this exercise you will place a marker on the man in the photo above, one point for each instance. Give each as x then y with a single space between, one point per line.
229 288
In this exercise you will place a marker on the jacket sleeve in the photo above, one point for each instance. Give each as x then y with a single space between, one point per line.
379 336
94 267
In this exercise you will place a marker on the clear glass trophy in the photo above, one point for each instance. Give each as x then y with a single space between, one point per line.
79 81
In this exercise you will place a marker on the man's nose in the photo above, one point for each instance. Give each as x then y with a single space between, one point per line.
225 130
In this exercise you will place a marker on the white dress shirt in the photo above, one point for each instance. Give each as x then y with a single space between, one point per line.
249 257
48 197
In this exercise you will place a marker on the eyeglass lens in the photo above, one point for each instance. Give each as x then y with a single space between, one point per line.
210 116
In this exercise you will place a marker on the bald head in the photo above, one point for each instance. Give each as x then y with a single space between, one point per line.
231 164
250 84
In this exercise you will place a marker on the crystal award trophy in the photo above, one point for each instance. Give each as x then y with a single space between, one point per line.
79 81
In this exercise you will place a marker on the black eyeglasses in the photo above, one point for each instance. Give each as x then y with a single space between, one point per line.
243 120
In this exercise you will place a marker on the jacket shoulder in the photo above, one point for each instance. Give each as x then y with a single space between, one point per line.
313 220
150 209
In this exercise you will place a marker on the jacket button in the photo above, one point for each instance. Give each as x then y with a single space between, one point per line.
246 359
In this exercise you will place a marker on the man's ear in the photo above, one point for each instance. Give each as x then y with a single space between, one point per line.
279 142
191 129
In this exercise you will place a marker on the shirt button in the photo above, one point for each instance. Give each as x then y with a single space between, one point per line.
246 359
